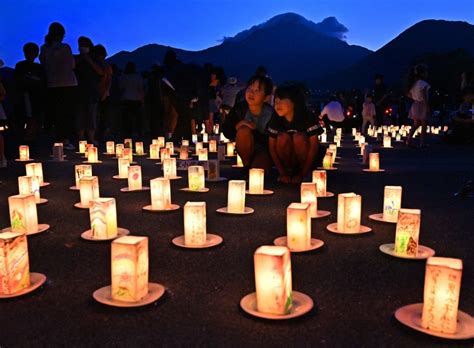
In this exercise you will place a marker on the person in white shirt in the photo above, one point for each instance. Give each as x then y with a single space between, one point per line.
334 112
133 96
419 92
368 113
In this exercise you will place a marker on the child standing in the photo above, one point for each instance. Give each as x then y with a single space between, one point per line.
368 113
418 91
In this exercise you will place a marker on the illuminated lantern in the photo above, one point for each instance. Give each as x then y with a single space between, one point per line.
198 147
110 147
338 142
339 132
213 172
205 138
161 141
23 214
36 169
308 192
273 279
298 226
398 138
349 209
154 151
256 181
333 149
139 148
441 294
29 185
202 155
128 153
134 178
230 149
24 153
236 197
15 267
407 232
164 153
324 138
387 141
88 189
154 141
92 156
103 217
183 153
195 223
392 202
239 163
361 139
170 146
123 164
374 162
185 142
354 132
320 179
81 170
58 152
194 138
128 143
82 146
196 178
119 150
327 160
160 194
362 148
129 268
169 168
212 145
367 151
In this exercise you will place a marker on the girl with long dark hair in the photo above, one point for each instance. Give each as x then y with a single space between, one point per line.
418 91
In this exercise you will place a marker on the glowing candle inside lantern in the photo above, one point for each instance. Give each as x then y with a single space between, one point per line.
14 263
320 179
161 141
154 151
256 180
183 153
128 153
23 213
123 164
441 294
164 153
194 138
196 178
103 217
129 268
82 146
169 168
398 137
236 196
128 143
58 152
119 150
230 149
333 149
212 145
154 141
387 141
35 169
134 178
170 146
202 155
110 147
139 148
24 152
298 226
160 193
392 202
81 170
308 193
195 223
407 232
273 279
29 185
324 138
185 142
349 209
92 156
327 160
205 138
361 139
213 171
374 162
239 161
88 189
198 147
354 131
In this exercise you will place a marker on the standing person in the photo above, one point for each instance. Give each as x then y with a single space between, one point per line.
99 53
88 72
380 95
293 135
418 91
155 98
247 124
214 91
58 62
3 123
30 82
133 97
368 113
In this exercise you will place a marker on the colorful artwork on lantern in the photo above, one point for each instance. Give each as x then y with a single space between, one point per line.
407 232
103 216
195 223
14 263
23 214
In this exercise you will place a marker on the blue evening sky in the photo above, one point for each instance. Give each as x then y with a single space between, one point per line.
198 24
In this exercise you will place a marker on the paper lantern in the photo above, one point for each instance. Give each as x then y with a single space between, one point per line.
81 170
213 171
195 223
29 185
110 147
349 209
134 178
92 156
82 146
119 150
362 148
367 151
309 194
160 193
230 149
164 153
161 141
194 138
273 279
239 162
103 217
374 162
128 143
35 169
441 294
128 153
183 153
324 138
154 151
129 268
236 197
320 179
361 139
392 201
14 263
196 178
185 142
88 189
23 213
139 148
212 145
256 180
398 137
387 141
407 232
298 226
24 153
170 146
333 149
205 137
198 147
58 152
339 132
327 160
169 168
123 164
202 155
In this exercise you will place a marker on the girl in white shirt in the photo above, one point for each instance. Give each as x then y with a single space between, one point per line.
420 108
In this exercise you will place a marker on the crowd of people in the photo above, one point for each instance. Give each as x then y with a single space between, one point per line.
82 97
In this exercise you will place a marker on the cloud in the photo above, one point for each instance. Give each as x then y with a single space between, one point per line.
330 26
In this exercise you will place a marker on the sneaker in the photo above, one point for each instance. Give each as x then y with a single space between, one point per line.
3 163
69 147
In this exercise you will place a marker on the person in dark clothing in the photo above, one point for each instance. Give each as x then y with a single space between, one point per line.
293 135
155 100
380 98
247 124
30 83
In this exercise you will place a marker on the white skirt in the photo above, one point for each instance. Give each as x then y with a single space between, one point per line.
418 111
